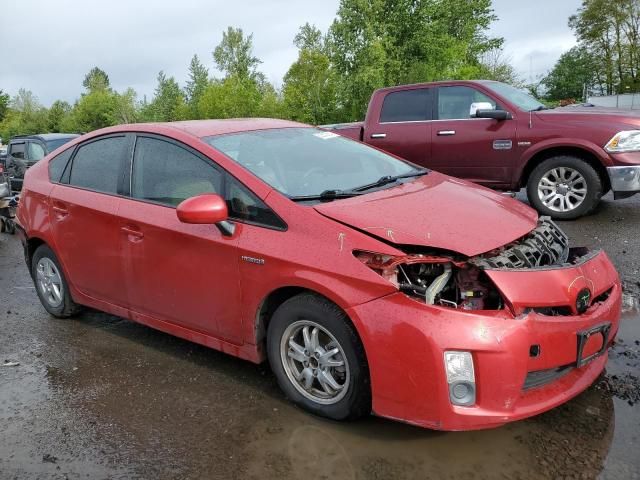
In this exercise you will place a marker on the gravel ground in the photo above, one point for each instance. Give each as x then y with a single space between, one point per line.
100 397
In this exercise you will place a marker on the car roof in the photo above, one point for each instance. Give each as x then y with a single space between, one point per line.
206 128
47 136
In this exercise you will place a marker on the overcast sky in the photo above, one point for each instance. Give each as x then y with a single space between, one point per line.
55 43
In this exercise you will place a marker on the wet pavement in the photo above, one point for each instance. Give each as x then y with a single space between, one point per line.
101 397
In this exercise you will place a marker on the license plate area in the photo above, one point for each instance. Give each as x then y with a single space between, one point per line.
583 338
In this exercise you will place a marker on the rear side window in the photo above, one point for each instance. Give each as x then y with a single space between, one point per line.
245 206
58 164
36 151
96 165
406 106
166 173
16 150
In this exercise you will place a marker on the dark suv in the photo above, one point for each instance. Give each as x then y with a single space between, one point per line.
25 150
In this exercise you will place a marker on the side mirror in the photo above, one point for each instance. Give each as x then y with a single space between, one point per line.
495 114
209 209
475 106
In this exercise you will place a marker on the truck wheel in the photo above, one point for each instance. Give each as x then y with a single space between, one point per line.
318 358
51 286
564 188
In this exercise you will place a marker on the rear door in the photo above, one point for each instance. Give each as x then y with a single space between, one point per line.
83 212
477 149
404 125
184 274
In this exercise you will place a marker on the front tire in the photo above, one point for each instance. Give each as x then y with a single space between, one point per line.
318 359
51 286
564 188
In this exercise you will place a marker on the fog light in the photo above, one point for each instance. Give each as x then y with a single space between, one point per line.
460 377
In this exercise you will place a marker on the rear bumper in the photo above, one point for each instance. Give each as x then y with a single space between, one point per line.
625 181
405 342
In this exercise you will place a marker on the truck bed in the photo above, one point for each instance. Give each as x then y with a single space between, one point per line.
351 130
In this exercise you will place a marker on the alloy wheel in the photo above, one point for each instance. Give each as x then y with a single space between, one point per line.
314 362
49 282
562 189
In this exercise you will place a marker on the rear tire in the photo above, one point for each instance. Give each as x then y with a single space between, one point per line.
564 188
51 286
302 333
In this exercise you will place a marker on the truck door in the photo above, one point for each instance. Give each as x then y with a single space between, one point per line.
403 124
478 149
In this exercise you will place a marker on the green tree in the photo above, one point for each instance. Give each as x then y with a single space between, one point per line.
25 116
610 31
196 85
310 84
234 55
575 72
494 66
4 104
57 114
168 103
95 80
379 43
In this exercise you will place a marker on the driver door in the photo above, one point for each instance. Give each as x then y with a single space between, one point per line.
183 274
481 150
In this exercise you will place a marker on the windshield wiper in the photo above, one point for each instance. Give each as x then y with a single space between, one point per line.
326 195
390 179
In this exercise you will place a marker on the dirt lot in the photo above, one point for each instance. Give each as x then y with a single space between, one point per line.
100 397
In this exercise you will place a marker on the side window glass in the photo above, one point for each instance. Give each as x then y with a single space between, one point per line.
406 106
36 152
17 150
96 165
166 173
245 206
454 103
58 164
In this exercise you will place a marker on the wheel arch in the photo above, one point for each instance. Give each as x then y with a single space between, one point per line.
570 151
31 245
277 297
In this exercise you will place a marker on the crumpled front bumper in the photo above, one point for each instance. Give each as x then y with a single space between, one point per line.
625 181
405 341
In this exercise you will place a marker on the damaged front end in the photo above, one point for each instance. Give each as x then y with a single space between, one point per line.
449 280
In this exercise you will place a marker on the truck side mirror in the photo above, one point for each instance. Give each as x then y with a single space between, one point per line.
495 114
475 106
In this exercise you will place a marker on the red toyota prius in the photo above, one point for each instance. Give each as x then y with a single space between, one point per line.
369 284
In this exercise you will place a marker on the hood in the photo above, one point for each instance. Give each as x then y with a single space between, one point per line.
436 211
590 115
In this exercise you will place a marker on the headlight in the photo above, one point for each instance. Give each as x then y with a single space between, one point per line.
460 377
626 141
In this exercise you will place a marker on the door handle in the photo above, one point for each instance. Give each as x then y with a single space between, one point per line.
378 135
446 133
134 234
60 209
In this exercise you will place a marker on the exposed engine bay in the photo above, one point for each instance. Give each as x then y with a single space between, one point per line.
449 280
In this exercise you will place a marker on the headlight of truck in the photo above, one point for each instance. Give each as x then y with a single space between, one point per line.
625 141
460 377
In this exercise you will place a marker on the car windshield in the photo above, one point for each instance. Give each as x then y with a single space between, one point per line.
53 144
518 97
302 162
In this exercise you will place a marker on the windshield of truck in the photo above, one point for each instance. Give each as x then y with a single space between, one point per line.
518 97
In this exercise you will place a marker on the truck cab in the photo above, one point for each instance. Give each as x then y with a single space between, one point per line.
499 136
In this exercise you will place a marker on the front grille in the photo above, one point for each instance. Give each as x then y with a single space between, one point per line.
544 377
544 246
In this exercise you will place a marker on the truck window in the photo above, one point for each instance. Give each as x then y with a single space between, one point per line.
406 106
454 103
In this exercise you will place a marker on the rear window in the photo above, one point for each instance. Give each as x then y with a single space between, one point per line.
16 150
406 106
96 165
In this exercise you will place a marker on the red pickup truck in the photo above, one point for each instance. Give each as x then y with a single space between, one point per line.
499 136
